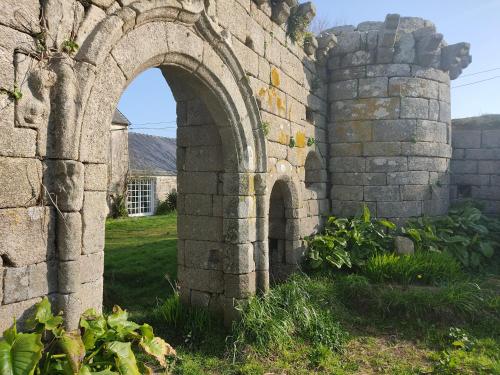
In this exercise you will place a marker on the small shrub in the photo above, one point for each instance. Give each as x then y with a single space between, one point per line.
168 205
285 314
347 242
454 301
118 206
104 344
426 268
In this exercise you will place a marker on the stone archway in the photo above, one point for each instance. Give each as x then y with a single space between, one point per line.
199 66
285 250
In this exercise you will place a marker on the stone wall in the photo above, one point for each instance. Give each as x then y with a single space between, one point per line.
389 97
164 185
356 115
475 166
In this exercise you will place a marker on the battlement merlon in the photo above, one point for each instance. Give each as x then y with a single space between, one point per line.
398 40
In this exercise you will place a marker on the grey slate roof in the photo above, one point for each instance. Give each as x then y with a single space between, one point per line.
120 119
152 155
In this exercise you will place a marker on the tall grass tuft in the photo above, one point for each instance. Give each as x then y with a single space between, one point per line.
283 315
185 320
424 268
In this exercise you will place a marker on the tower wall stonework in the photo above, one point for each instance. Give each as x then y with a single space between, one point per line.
390 119
352 116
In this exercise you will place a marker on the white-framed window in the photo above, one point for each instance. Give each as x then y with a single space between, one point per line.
140 197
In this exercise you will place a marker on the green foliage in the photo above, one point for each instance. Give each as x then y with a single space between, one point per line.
265 127
292 142
347 242
308 37
70 46
193 323
467 355
277 319
450 302
118 206
425 268
168 205
103 345
466 233
15 94
311 141
297 27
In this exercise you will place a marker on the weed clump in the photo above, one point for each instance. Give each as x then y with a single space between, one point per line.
285 314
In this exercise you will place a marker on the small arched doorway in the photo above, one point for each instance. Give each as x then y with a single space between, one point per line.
284 246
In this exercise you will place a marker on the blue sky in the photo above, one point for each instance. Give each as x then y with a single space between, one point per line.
148 102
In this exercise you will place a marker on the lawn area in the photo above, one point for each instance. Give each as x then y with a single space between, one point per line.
322 322
139 253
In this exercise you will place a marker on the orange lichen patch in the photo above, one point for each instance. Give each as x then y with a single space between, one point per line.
284 138
300 139
275 78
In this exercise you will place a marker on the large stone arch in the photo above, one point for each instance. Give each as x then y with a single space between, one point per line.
182 41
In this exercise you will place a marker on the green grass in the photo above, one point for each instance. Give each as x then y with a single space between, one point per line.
422 268
300 326
139 252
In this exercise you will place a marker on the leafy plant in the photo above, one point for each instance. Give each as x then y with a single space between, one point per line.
466 233
310 141
464 354
348 242
70 46
425 268
266 127
103 345
168 205
292 142
297 27
15 94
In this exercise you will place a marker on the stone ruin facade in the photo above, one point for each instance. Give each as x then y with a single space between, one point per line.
277 129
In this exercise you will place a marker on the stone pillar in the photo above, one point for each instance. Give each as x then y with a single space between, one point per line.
389 97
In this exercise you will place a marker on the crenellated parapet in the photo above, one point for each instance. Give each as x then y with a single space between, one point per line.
399 40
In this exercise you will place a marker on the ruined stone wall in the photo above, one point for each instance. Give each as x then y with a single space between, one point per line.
365 122
389 98
475 165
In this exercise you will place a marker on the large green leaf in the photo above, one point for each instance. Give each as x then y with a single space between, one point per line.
155 346
486 249
43 316
120 323
124 357
22 355
94 327
72 345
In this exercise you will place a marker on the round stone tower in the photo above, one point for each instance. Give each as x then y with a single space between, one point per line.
390 122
